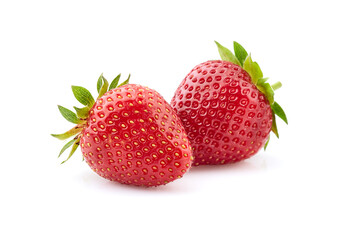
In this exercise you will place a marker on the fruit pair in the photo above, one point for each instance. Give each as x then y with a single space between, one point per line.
130 134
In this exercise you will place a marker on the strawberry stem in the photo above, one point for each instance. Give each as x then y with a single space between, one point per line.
276 85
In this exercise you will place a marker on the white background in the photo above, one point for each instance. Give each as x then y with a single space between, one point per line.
291 191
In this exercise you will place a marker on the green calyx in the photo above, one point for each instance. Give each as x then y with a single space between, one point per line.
80 116
244 60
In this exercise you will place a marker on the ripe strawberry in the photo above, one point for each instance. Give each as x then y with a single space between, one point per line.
130 134
227 108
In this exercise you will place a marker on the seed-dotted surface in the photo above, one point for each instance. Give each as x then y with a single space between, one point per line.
133 136
226 117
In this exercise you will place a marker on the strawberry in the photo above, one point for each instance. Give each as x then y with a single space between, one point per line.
227 108
130 134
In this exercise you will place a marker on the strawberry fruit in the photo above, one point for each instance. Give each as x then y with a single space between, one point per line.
227 108
130 134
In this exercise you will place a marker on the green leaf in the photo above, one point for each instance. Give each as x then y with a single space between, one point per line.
267 90
126 81
73 149
82 113
253 69
240 53
266 144
66 146
115 82
226 54
99 83
279 111
261 81
69 133
69 115
104 87
274 126
258 73
83 95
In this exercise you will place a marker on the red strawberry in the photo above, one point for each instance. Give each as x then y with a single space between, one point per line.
227 108
130 134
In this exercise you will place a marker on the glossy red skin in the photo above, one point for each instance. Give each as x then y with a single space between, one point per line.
226 117
133 136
